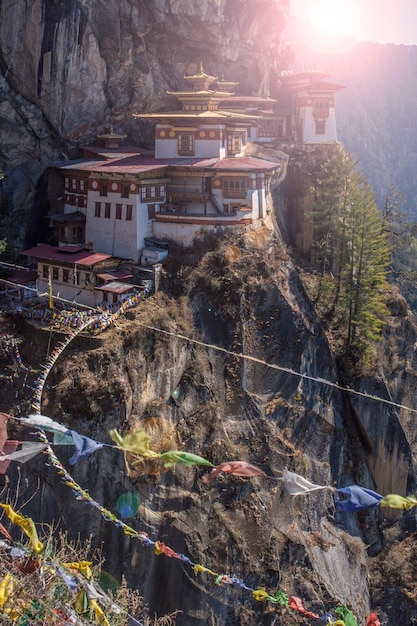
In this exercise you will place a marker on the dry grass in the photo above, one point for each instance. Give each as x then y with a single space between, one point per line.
39 595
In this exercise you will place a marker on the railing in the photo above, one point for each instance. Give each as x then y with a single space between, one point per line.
216 204
187 195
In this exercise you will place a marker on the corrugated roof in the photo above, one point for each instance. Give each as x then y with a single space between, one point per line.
245 163
320 86
65 255
136 164
73 216
110 276
116 287
192 115
22 277
248 99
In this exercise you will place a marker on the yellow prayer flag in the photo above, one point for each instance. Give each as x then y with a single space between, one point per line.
394 501
136 442
81 566
27 525
200 568
99 613
6 588
259 594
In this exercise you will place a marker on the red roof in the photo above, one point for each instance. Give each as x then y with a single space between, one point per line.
66 255
22 277
135 164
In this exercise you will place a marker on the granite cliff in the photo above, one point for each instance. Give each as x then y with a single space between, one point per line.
70 69
242 295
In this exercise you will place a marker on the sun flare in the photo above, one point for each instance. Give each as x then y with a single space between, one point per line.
332 16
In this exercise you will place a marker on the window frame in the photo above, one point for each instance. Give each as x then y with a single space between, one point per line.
186 143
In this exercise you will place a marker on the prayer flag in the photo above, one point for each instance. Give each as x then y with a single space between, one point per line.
394 501
5 533
26 524
297 485
172 457
43 422
28 451
84 446
9 446
136 442
358 499
3 428
6 588
99 613
297 605
236 468
81 566
348 617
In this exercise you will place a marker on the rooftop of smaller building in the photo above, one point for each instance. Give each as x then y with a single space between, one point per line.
66 254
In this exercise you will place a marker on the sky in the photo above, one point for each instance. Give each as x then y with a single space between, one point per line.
382 21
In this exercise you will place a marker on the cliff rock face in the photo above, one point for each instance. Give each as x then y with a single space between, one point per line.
71 68
242 295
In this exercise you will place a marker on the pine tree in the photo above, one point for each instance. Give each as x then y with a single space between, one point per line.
352 251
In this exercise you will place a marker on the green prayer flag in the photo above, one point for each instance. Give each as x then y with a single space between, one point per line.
172 457
348 616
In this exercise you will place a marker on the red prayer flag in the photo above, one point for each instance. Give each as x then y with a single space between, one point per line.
5 533
3 429
297 605
236 468
9 446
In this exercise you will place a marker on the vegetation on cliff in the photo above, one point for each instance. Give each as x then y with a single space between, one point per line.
349 253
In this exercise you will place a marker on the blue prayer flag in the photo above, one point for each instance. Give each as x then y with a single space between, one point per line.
84 446
359 498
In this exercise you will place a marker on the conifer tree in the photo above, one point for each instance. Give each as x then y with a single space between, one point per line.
352 251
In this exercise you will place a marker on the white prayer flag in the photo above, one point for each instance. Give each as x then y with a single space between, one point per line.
297 485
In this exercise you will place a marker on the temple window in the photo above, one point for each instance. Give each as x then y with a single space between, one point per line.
321 108
97 209
129 212
234 143
186 143
103 188
320 127
107 210
65 276
78 234
45 271
152 193
151 211
55 273
269 128
234 187
118 211
125 190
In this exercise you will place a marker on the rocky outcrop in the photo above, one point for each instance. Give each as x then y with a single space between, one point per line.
70 69
242 296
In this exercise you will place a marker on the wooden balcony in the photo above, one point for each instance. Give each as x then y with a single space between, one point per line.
187 195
